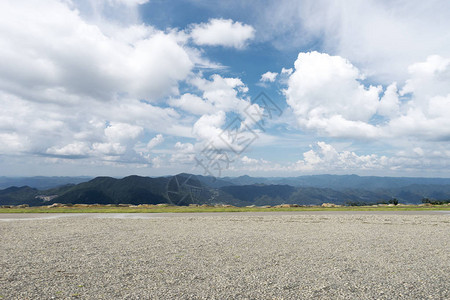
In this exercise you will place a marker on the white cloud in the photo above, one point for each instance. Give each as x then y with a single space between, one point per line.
426 115
431 124
208 127
108 149
192 104
286 72
248 161
92 131
389 35
122 132
12 143
325 157
269 77
117 138
429 78
58 55
73 149
102 12
157 162
86 80
184 153
83 76
158 139
131 2
222 93
222 32
389 104
220 96
326 96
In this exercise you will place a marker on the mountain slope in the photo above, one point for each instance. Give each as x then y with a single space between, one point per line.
185 189
107 190
340 182
40 182
16 195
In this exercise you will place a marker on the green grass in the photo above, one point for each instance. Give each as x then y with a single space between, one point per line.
184 209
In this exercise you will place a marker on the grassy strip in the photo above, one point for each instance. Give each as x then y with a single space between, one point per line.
184 209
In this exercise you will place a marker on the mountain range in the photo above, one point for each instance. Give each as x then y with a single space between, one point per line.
185 189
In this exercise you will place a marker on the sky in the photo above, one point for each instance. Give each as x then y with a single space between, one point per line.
224 88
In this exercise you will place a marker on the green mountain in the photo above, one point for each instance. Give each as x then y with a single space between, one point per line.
185 189
18 195
107 190
40 182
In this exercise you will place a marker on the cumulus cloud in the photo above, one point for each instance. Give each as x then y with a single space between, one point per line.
108 149
192 104
59 54
88 131
121 12
221 92
222 32
158 139
88 80
389 105
184 153
73 149
425 115
70 82
325 157
248 161
217 97
13 143
209 127
269 77
429 78
326 95
115 140
220 96
389 35
287 72
122 131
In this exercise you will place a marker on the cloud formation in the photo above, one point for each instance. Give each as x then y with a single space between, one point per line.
328 96
324 156
90 83
60 61
58 55
269 77
381 37
222 32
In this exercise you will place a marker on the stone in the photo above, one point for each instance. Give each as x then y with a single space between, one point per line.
22 206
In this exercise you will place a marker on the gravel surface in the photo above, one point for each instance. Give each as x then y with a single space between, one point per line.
227 256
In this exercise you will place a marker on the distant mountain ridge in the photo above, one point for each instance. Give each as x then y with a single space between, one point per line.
185 189
41 182
340 182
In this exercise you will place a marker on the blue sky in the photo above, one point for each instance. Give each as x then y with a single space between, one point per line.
121 87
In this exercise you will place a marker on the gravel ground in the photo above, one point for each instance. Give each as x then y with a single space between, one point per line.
227 256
